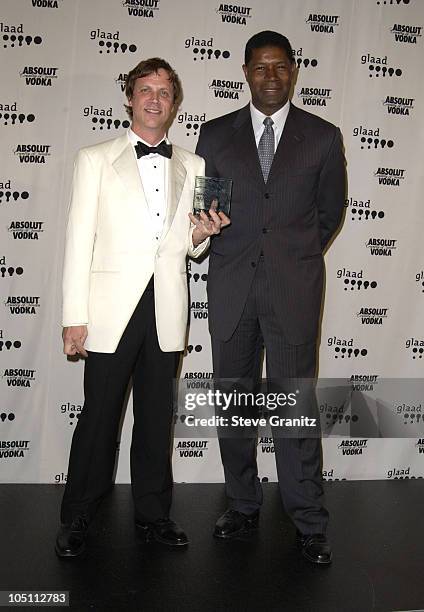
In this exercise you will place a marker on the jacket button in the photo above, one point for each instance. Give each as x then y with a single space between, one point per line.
265 230
253 264
266 196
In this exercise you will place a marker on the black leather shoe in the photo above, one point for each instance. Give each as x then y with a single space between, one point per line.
316 548
234 523
164 531
70 540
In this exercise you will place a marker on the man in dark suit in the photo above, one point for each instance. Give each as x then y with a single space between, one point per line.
266 273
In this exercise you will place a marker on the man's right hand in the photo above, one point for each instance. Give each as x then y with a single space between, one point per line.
73 340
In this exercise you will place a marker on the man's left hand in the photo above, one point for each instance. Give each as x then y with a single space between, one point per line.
208 225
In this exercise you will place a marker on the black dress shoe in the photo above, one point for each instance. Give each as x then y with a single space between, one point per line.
315 548
164 531
234 523
70 540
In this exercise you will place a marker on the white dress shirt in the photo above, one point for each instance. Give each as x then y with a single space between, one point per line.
153 169
279 119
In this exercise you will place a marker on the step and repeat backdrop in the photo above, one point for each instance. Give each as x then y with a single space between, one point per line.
64 65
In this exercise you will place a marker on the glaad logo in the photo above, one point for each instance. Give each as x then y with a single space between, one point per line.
32 153
266 445
8 196
13 35
411 413
352 447
10 270
19 377
232 13
203 49
315 96
400 474
109 41
372 316
192 448
393 2
360 210
390 176
199 310
26 230
377 66
323 23
6 345
72 411
328 475
420 446
345 348
192 123
381 246
43 76
304 62
419 278
9 114
23 304
121 81
336 414
398 106
416 347
102 118
406 33
363 382
7 416
198 348
141 8
355 280
196 277
45 3
13 448
371 138
226 89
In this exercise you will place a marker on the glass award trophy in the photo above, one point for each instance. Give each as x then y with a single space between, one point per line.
212 193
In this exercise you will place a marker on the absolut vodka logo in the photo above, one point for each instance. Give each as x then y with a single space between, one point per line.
141 8
396 105
227 89
409 34
324 24
392 177
39 76
315 96
233 13
381 246
369 315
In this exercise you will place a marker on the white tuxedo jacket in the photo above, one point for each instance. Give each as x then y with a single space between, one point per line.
111 251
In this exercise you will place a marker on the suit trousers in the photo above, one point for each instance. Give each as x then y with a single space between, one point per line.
298 459
94 444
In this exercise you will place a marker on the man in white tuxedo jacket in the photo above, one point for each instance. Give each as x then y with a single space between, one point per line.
125 303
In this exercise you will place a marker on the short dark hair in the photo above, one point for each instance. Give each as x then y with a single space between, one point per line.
267 38
146 67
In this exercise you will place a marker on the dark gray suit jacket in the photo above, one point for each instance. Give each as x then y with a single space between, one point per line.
291 218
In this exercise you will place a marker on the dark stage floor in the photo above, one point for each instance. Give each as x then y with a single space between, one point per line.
377 531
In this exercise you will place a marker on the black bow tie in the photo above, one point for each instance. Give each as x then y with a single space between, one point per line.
162 149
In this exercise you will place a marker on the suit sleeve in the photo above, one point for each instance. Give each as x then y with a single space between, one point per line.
196 251
331 191
79 242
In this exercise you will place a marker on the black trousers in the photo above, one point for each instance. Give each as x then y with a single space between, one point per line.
93 450
299 460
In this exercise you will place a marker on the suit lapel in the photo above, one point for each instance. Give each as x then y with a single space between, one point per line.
244 144
176 176
291 137
125 165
